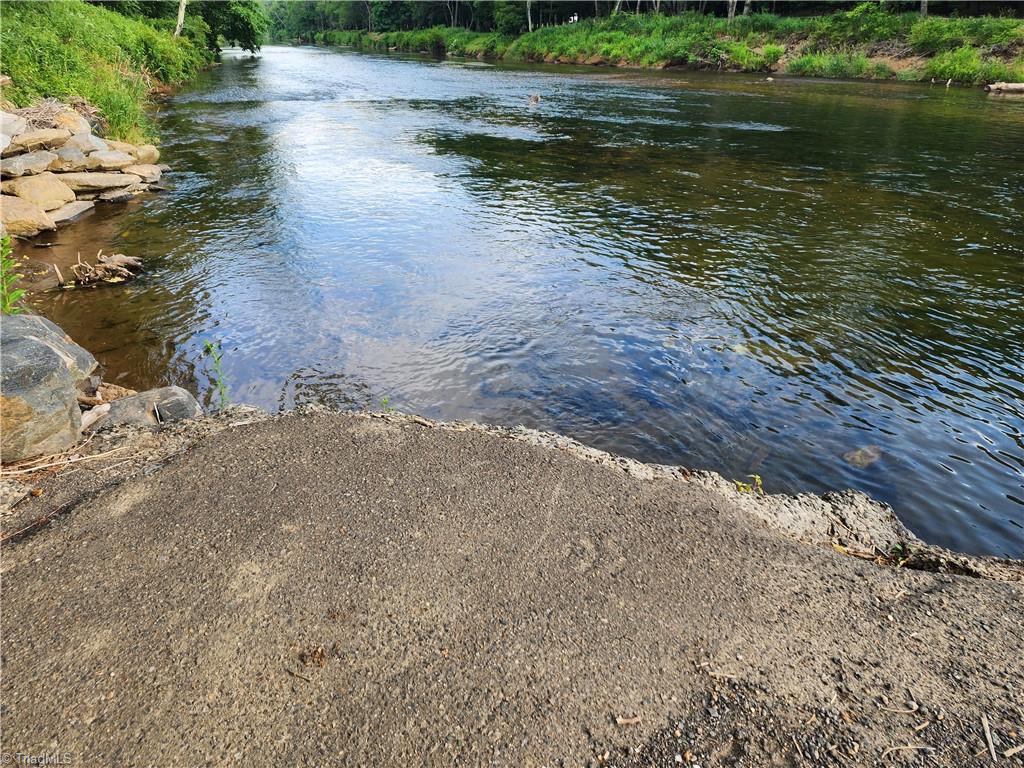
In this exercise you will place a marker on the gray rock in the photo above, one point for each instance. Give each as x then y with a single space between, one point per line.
71 211
95 182
45 190
86 143
147 154
5 141
22 218
147 172
43 138
172 404
11 124
29 163
69 159
108 160
40 378
73 121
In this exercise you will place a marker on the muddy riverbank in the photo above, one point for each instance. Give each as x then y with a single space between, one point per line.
378 590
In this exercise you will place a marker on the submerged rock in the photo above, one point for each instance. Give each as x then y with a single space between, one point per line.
863 457
122 194
29 163
20 217
71 211
41 373
151 408
45 190
95 182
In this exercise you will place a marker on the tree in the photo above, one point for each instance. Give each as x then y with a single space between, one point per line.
241 22
181 17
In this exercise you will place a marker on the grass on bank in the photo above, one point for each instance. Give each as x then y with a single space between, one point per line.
70 48
863 42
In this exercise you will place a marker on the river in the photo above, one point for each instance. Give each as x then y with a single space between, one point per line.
720 271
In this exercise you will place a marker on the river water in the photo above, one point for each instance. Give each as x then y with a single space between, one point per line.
708 270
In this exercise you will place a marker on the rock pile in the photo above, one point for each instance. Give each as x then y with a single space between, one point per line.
51 392
54 173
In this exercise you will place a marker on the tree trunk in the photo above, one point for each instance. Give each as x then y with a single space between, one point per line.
732 10
1005 87
618 5
924 7
529 16
181 17
748 6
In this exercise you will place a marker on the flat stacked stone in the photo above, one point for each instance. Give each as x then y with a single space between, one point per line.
52 173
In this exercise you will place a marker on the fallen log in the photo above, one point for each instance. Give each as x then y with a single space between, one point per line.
1005 88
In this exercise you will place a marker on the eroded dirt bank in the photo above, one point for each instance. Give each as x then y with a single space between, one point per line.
321 589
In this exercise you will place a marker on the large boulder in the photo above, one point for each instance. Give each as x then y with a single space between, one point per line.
29 163
45 190
148 172
71 211
39 380
108 160
43 138
86 143
20 217
12 124
151 408
93 182
68 159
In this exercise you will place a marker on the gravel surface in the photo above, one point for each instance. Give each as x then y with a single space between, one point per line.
322 589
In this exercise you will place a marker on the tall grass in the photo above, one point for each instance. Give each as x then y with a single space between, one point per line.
70 48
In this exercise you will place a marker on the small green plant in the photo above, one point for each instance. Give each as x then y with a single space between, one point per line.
900 554
754 487
385 405
10 297
213 351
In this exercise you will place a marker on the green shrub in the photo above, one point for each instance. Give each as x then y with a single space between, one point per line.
934 34
966 65
834 65
772 53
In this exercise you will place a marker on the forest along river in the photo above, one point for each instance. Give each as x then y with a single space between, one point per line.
710 270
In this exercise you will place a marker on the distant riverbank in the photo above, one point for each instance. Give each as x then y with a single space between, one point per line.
867 42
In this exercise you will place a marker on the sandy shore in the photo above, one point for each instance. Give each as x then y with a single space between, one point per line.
321 589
